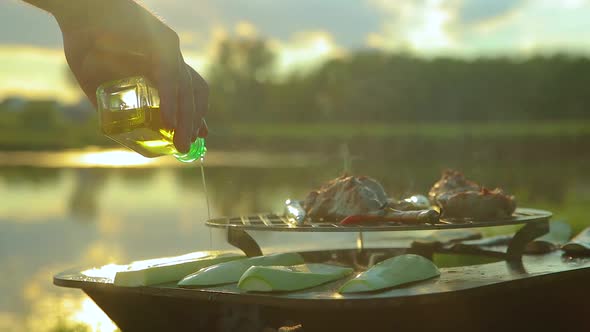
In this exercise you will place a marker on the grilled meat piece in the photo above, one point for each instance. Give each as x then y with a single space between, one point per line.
481 204
346 196
451 182
458 197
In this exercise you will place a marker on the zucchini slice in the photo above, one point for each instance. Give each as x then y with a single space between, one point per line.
392 272
230 272
290 278
168 269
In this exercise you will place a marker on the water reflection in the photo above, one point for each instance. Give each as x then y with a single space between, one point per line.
57 217
29 175
83 201
53 310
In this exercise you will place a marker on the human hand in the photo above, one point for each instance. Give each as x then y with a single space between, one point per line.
114 39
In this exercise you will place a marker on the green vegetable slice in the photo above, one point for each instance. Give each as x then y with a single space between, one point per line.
290 278
230 272
392 272
167 269
580 244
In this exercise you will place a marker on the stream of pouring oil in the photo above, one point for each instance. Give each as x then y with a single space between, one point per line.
207 201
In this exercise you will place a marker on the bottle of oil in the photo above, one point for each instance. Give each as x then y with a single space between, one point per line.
129 113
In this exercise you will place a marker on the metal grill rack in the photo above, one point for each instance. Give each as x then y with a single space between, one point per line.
536 224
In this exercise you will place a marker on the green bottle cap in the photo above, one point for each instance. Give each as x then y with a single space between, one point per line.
196 151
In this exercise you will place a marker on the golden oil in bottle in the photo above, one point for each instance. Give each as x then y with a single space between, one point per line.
129 113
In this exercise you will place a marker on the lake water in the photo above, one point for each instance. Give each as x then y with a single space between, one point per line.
89 208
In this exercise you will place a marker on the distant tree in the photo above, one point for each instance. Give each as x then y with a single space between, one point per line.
239 79
41 115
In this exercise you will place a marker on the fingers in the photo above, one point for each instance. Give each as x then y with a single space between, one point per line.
185 113
98 67
167 85
176 100
203 130
201 100
184 99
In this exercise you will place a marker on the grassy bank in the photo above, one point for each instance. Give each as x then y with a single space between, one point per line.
265 135
398 130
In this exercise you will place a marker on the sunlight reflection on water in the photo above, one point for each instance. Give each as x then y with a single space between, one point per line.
118 158
91 315
53 309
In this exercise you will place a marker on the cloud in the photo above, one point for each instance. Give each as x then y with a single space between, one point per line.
22 24
574 4
420 26
39 73
347 20
423 26
35 72
468 28
486 17
306 32
245 29
302 51
569 31
305 51
478 11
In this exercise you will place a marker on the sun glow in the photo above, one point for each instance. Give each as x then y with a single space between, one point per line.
432 33
92 316
53 310
422 27
114 158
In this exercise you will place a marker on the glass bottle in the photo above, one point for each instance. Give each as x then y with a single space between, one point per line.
129 113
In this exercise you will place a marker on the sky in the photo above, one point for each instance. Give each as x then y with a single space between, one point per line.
305 32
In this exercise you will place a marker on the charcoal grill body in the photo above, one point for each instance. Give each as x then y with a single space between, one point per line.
546 292
518 292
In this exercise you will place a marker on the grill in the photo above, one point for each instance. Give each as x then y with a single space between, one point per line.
535 221
544 292
279 223
518 288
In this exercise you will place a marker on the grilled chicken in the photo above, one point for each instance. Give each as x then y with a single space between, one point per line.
458 197
346 196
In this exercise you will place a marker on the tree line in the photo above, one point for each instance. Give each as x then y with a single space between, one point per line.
374 86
